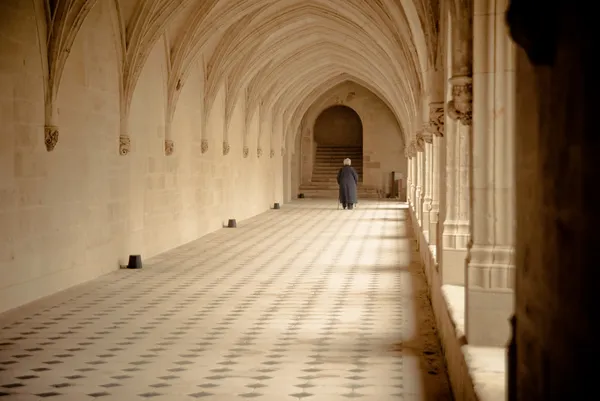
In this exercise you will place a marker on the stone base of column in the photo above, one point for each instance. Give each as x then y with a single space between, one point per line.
433 227
487 316
452 267
491 267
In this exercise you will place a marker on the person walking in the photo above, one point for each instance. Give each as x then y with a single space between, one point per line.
347 179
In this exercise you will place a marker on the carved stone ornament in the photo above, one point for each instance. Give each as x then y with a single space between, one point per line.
419 142
410 150
282 151
246 151
272 154
226 148
426 135
169 147
50 137
259 152
436 119
204 146
461 106
124 145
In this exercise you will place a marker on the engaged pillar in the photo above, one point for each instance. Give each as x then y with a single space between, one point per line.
490 271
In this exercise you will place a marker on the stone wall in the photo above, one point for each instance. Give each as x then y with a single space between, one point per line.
76 212
383 146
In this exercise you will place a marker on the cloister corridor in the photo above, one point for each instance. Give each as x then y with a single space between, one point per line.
464 130
308 302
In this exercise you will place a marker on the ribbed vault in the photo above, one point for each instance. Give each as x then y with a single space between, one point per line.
274 55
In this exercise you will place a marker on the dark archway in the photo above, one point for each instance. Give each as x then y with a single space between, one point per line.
339 126
338 134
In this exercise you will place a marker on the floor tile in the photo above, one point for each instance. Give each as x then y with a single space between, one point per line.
303 303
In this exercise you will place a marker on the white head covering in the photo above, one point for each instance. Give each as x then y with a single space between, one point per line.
347 162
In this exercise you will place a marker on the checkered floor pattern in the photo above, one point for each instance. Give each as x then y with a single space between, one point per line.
308 302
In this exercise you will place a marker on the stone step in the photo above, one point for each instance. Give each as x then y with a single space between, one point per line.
334 195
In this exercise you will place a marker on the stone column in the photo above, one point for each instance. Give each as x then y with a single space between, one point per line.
490 270
428 183
458 148
408 175
419 146
436 129
413 173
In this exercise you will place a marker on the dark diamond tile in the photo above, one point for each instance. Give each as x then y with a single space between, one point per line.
61 385
201 394
169 377
160 385
262 377
353 395
12 385
121 377
48 394
99 394
151 394
250 395
304 385
110 385
27 377
256 385
303 394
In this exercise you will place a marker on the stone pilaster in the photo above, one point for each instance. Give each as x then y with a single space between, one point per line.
407 154
428 184
457 136
436 129
490 270
413 175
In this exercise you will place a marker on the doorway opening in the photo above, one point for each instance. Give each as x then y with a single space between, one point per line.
338 134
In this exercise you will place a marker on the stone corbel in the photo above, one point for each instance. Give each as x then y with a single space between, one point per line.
461 106
272 154
226 148
246 151
259 152
204 145
436 119
50 137
124 145
169 147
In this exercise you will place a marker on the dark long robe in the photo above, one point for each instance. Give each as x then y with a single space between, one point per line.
347 179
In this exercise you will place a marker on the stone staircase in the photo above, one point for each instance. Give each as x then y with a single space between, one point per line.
329 159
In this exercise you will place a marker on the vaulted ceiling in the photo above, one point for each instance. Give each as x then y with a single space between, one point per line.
278 54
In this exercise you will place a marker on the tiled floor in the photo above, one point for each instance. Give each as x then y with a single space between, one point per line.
303 303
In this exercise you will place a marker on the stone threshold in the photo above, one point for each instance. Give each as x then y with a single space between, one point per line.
476 373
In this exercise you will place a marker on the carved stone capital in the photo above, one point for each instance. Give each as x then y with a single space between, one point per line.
419 141
259 152
436 119
461 106
425 134
410 150
169 147
124 145
246 151
204 145
226 148
272 154
50 137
